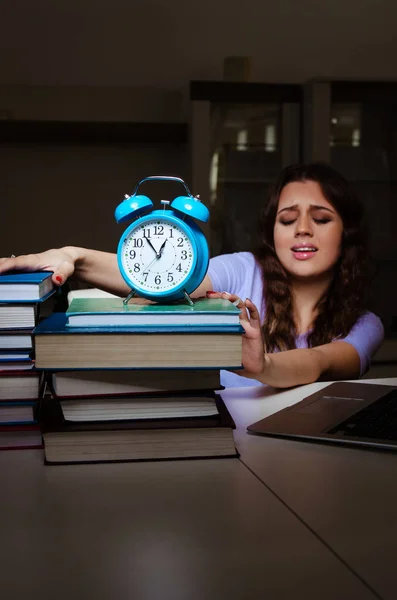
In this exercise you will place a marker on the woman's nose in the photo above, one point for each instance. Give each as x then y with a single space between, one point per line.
303 226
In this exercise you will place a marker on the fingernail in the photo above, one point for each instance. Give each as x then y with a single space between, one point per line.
58 278
227 293
210 292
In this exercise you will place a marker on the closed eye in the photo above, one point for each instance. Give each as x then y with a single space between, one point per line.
321 221
318 221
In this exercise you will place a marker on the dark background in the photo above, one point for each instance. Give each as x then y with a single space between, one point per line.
95 95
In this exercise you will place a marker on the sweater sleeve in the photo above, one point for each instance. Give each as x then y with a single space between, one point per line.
228 271
366 336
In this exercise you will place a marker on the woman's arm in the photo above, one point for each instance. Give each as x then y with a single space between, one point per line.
96 268
93 267
337 360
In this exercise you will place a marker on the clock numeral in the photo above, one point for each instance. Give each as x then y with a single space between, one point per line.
158 229
171 233
137 243
184 254
179 268
132 254
145 275
170 277
180 242
146 233
157 280
137 267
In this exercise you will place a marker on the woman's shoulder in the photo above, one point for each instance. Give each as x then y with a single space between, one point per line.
238 273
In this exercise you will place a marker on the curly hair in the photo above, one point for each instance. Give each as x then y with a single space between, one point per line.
345 299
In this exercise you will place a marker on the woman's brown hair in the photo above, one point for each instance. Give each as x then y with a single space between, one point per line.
340 307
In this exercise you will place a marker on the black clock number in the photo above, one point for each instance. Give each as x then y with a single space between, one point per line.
170 278
137 243
157 280
179 268
180 242
146 233
132 254
158 229
137 268
145 275
184 254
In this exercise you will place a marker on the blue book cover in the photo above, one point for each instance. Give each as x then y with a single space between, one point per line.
57 323
14 355
26 287
17 413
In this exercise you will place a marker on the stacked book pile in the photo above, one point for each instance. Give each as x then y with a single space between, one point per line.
137 381
21 296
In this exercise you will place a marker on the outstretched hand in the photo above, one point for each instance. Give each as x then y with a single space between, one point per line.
58 260
253 348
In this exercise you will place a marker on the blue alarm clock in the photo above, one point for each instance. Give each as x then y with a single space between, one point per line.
163 255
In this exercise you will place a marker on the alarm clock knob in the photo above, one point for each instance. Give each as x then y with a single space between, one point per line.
133 206
191 206
165 203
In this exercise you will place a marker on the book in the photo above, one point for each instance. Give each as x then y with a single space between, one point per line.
26 287
16 339
16 365
102 312
18 316
13 355
20 437
134 407
19 385
132 381
14 413
140 439
15 360
59 347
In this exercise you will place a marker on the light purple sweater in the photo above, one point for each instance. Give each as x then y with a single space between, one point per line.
240 274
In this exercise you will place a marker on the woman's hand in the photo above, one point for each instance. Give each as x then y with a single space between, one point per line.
253 350
61 261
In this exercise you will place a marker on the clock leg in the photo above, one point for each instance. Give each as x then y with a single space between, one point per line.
188 298
128 298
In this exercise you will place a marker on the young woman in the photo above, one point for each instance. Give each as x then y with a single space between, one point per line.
301 292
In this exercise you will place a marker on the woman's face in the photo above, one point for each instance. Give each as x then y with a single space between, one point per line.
307 231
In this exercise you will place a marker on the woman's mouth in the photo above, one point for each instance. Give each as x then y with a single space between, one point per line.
304 252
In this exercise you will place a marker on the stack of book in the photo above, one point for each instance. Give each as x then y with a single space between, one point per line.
137 381
21 296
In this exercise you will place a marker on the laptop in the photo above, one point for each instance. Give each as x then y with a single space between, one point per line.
363 414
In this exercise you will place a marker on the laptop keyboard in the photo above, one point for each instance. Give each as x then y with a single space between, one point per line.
378 420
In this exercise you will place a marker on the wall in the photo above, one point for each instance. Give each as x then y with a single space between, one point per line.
166 44
146 104
66 195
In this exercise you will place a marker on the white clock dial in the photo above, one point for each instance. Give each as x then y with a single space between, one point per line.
157 255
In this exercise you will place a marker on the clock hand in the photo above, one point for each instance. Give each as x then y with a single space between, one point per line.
151 245
161 248
158 254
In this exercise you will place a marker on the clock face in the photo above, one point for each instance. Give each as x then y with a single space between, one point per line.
157 255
